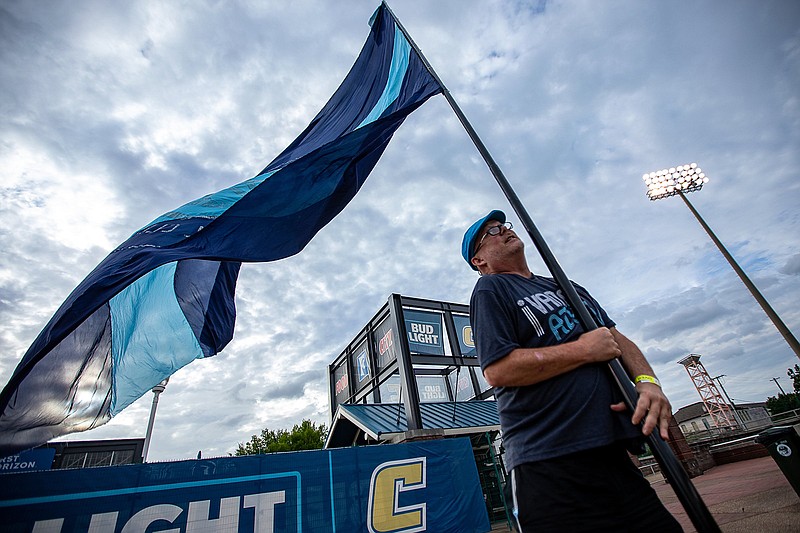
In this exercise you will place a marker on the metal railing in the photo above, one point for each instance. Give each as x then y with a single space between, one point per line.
650 470
729 431
786 417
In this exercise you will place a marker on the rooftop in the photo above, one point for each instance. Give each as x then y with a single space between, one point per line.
380 422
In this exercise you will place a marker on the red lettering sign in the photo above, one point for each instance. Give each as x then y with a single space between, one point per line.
341 384
385 343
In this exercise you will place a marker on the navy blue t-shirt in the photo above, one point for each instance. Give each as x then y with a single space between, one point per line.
564 414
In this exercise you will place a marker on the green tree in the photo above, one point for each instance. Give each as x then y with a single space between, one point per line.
794 375
783 403
304 436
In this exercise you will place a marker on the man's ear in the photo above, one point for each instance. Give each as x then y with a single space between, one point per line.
478 262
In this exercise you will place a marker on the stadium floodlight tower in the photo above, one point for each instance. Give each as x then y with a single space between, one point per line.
677 181
716 407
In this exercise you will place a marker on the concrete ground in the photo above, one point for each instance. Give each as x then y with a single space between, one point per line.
746 497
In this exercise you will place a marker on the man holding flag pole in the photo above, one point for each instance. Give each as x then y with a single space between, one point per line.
563 429
684 489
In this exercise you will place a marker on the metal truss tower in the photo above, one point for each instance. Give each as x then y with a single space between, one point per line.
719 411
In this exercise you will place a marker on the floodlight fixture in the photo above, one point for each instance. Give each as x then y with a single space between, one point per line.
676 181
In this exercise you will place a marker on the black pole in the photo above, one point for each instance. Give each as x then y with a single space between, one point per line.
779 385
676 475
408 379
773 316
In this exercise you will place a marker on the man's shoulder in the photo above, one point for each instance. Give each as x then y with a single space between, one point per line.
487 281
492 281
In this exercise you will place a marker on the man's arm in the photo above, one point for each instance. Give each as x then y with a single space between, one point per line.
526 366
653 406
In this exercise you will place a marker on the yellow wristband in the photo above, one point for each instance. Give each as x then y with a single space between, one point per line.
647 379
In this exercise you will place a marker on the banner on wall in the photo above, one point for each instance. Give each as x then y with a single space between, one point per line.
426 486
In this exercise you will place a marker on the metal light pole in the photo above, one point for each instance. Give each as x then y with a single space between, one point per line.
736 416
158 389
677 181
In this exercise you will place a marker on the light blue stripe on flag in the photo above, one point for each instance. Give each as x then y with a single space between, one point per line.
397 71
150 337
212 205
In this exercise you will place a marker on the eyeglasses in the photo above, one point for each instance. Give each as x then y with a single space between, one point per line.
493 231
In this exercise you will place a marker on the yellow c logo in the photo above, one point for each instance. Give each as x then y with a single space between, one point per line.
466 336
389 481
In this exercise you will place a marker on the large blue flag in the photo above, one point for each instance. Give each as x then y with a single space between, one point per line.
165 296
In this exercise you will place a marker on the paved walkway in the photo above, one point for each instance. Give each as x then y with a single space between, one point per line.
745 497
748 497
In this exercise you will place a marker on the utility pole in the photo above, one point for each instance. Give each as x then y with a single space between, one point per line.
779 385
718 379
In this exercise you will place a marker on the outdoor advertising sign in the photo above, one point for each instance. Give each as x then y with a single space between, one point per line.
361 363
341 382
426 486
385 344
37 459
465 338
424 330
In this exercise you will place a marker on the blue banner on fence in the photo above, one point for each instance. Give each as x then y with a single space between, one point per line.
36 459
426 486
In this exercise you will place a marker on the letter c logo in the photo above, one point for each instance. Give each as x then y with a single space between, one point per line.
466 336
389 481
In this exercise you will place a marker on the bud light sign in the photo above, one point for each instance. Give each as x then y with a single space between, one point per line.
424 332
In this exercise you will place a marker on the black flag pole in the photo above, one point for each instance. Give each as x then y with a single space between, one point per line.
684 489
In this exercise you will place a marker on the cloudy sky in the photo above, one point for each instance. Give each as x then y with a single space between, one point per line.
114 113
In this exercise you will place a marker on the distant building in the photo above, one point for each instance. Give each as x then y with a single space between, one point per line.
753 414
694 418
75 454
90 453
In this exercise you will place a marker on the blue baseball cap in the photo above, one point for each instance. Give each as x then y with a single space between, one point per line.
468 244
